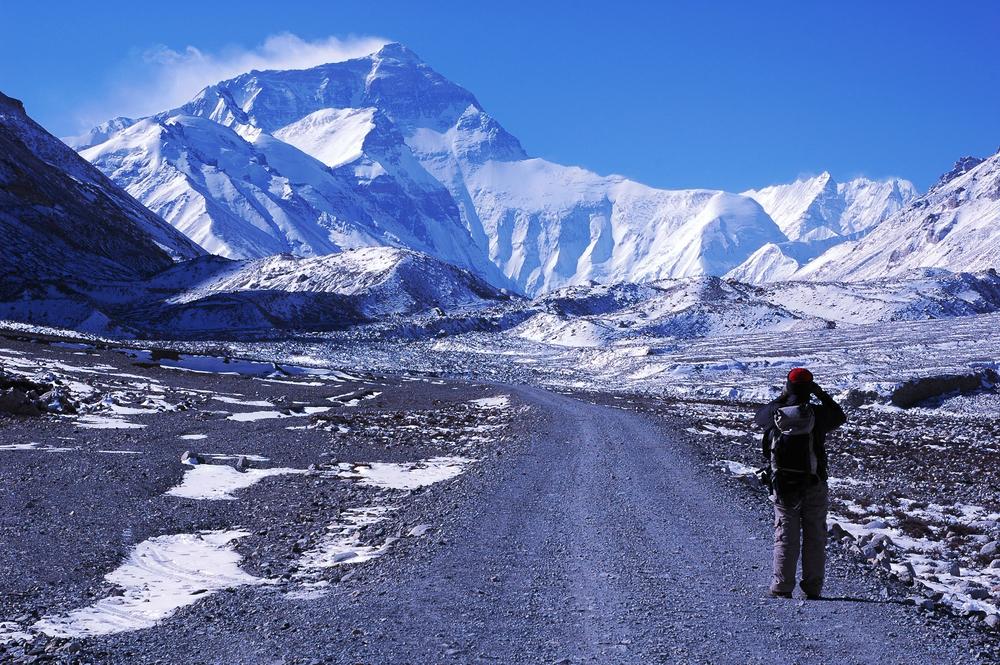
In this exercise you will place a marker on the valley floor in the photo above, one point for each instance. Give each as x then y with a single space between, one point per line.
404 519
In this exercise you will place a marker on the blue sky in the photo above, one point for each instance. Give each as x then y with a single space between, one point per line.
726 95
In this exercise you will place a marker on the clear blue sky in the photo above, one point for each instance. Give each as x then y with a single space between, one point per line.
695 94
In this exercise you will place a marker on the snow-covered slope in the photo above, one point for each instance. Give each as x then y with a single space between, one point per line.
392 281
383 150
709 306
955 226
215 296
61 218
818 208
818 214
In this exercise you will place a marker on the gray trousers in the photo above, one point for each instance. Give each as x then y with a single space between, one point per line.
800 517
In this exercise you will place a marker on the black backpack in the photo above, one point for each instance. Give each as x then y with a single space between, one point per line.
793 453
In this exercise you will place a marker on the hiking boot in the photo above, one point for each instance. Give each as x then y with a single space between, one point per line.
814 596
781 594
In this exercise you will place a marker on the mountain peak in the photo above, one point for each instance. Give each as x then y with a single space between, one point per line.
962 166
397 51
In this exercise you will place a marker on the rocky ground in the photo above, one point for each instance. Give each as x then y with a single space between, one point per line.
413 519
915 493
81 492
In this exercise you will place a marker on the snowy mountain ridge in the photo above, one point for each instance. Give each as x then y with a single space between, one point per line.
819 208
96 261
383 150
955 226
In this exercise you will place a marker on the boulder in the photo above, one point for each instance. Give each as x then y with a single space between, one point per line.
192 458
16 402
57 401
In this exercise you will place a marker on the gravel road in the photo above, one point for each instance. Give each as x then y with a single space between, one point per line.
602 537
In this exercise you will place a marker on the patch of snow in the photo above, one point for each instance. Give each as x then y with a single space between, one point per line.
497 402
243 402
161 575
219 481
105 422
407 476
253 416
341 544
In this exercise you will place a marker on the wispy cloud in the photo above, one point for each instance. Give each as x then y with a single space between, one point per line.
161 77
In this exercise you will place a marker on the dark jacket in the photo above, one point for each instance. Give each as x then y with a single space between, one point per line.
829 416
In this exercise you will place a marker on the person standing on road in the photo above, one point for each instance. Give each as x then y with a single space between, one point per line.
794 447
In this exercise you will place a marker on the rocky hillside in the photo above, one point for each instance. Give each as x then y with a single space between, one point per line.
62 219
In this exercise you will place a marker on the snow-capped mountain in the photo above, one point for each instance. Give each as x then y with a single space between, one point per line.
383 150
815 209
955 226
62 219
816 214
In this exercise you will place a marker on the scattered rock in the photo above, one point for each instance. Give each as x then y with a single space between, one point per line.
992 620
16 402
838 532
977 592
883 560
990 549
192 458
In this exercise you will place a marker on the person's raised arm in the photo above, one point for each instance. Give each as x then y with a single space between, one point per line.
834 415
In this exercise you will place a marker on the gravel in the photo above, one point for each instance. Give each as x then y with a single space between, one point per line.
589 529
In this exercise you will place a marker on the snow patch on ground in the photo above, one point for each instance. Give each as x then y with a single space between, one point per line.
162 575
243 402
105 422
341 544
36 446
498 402
219 481
407 475
252 416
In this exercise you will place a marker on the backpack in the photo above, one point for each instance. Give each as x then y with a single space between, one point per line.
793 453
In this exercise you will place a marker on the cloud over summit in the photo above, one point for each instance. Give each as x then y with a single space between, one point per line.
161 77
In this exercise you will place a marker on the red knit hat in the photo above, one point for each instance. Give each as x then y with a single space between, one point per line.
800 375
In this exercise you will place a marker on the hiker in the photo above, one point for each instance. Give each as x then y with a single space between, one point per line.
794 447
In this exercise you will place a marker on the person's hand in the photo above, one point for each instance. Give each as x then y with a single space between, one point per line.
816 390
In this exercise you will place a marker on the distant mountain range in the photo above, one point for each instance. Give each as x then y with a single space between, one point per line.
374 191
383 150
